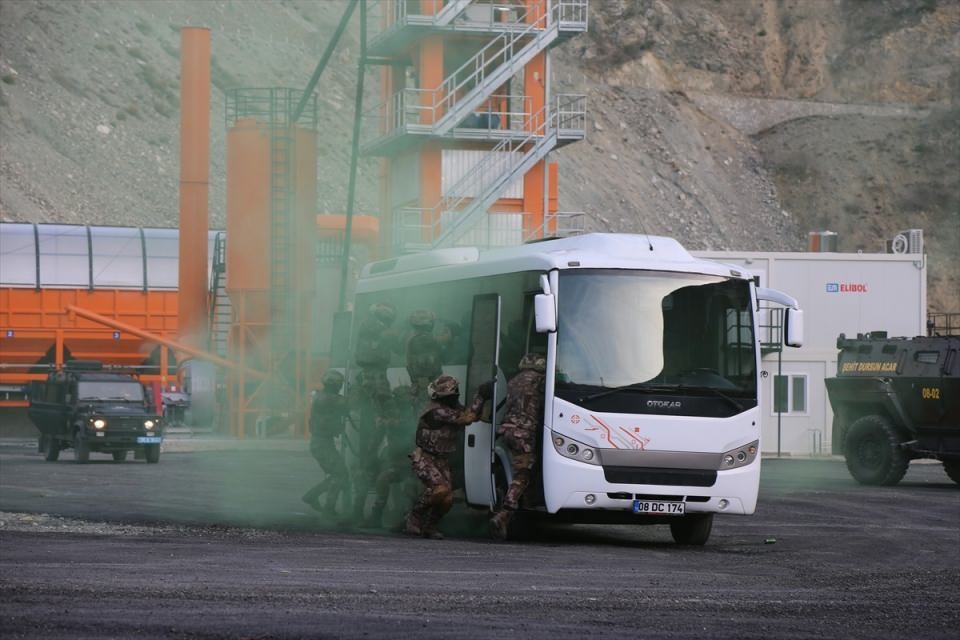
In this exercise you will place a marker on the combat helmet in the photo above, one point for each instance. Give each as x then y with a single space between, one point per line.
423 319
385 313
332 380
443 387
534 362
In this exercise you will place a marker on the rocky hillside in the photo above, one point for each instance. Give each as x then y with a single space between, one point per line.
730 125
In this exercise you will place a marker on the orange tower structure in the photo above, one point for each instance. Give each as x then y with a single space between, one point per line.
269 255
194 183
467 119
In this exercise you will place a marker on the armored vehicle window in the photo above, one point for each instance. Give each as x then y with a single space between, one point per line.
927 357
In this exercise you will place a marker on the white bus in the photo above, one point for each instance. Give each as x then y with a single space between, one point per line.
651 410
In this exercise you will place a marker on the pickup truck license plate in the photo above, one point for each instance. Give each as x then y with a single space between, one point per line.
658 508
149 439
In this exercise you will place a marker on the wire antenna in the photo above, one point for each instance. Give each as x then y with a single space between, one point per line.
643 229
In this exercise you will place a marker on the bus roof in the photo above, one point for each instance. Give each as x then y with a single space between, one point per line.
588 251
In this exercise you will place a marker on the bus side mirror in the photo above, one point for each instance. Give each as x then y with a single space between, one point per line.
793 327
545 312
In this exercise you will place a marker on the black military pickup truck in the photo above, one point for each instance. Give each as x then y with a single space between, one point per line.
87 409
894 400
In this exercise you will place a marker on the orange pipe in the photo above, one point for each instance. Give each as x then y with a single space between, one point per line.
176 346
194 182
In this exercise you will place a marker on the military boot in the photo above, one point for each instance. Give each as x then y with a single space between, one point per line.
499 525
430 523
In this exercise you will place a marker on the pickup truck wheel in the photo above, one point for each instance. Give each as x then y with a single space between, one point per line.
81 450
119 456
873 452
51 449
952 467
693 529
152 453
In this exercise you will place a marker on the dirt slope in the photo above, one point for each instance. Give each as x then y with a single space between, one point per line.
731 125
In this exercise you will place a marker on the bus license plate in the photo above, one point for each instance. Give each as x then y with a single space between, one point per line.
658 508
149 439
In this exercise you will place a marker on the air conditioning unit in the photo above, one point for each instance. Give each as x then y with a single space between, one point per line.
908 241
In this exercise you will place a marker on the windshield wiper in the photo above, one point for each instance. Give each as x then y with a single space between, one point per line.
639 387
714 391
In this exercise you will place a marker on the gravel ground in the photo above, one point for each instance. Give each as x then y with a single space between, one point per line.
160 551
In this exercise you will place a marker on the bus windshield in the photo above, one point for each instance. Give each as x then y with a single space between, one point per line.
625 336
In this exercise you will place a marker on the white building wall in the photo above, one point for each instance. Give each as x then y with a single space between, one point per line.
847 293
456 163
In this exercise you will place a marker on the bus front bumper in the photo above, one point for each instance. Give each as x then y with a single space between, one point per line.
572 485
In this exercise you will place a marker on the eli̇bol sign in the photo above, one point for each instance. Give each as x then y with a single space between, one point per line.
846 287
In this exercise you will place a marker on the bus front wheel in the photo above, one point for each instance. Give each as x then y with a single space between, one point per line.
692 530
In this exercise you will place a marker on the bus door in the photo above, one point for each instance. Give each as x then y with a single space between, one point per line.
482 367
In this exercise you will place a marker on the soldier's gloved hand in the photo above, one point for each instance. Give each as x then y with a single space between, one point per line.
485 390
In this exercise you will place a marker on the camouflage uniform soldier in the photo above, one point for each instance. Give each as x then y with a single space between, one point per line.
423 353
394 461
437 430
375 343
520 430
327 414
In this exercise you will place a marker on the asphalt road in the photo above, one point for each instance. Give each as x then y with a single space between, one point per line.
217 545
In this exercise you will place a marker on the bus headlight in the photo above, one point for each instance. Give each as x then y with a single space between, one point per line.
739 457
570 448
149 424
99 423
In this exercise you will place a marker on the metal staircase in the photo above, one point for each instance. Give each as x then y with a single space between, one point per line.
281 214
221 310
467 201
400 14
436 111
504 38
467 87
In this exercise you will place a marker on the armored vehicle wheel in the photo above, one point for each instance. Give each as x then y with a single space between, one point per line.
952 467
51 449
873 452
81 450
119 456
152 453
692 530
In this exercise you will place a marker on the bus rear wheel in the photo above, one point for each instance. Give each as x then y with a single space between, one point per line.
873 453
692 530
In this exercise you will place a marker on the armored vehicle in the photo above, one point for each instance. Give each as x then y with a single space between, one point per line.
88 409
894 400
